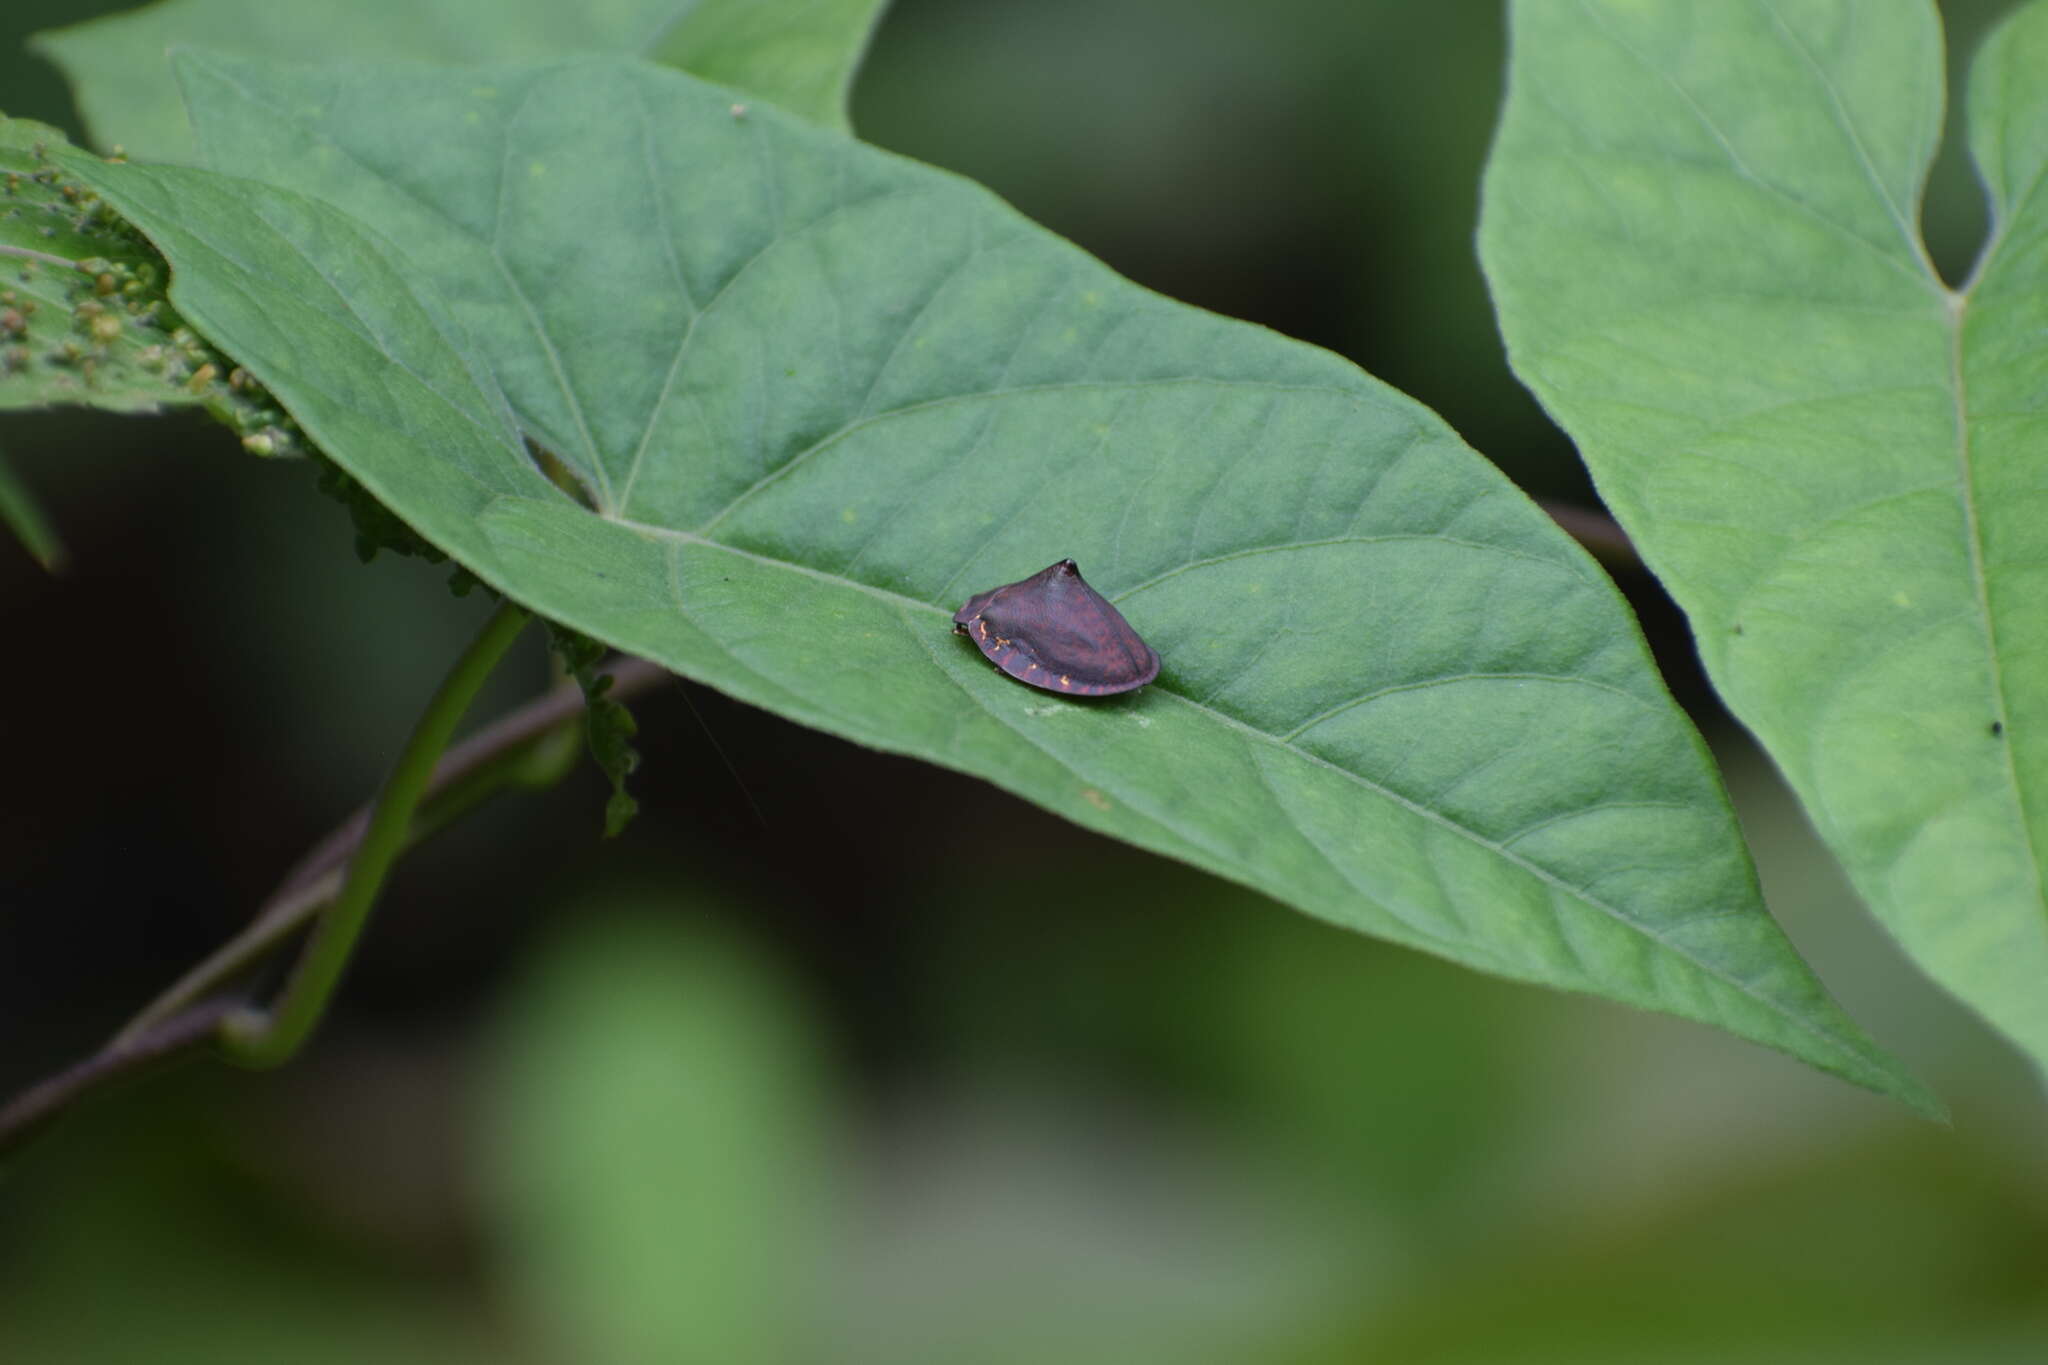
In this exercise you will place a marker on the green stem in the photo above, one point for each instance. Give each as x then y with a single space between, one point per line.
537 761
259 1038
532 748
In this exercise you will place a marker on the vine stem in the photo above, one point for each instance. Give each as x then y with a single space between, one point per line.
29 1111
494 757
1599 533
519 749
260 1037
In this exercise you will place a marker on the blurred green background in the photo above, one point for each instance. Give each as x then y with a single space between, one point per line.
781 1076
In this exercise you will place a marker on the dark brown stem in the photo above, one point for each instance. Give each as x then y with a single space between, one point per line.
311 884
179 1020
630 677
1599 533
27 1113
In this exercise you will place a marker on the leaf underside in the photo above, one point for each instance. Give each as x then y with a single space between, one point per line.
63 337
817 395
1700 226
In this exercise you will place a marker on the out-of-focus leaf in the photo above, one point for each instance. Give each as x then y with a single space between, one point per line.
818 395
1756 1266
800 54
222 1260
1016 1227
23 515
653 1140
1701 229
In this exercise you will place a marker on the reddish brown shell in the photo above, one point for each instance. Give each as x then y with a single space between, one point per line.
1054 631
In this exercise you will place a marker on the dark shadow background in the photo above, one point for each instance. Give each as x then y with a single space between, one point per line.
216 681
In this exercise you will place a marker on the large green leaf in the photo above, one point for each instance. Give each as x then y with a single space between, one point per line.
1700 225
799 53
820 394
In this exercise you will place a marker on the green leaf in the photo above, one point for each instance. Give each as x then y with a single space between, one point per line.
608 727
377 529
65 337
84 315
654 1137
800 54
819 394
1700 227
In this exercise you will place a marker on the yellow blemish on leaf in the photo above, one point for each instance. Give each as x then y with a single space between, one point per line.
1902 599
536 169
849 515
1095 798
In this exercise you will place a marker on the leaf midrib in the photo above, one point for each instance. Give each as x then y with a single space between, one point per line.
1550 879
1954 305
1907 234
1735 160
1980 582
2005 209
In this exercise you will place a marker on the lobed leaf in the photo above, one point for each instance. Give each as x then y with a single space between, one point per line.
817 395
1700 226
